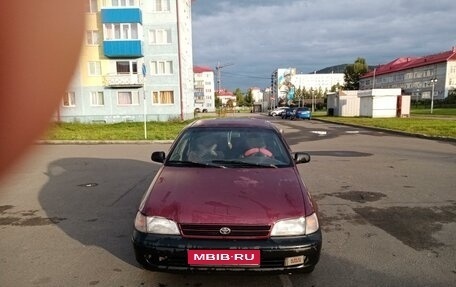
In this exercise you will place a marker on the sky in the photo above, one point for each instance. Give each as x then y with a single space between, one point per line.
251 39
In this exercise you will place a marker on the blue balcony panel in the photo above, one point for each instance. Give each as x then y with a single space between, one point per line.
123 49
122 15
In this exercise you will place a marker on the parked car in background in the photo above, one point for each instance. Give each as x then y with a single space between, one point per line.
302 113
288 113
198 110
228 197
277 111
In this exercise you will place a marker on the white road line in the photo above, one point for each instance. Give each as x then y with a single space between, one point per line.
322 133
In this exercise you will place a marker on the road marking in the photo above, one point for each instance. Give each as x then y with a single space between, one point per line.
321 133
352 132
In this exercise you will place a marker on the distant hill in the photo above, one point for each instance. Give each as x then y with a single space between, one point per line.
337 69
333 69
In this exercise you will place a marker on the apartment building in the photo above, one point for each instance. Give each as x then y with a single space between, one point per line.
204 88
420 77
135 64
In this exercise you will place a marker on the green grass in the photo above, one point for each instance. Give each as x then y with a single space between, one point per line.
435 112
117 131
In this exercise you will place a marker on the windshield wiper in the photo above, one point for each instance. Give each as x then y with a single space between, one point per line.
193 163
243 163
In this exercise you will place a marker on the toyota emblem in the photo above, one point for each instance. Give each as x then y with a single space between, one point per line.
225 231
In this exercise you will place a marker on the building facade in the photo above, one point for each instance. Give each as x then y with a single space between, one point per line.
420 77
285 83
204 89
135 64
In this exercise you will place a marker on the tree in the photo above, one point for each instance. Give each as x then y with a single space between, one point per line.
239 97
248 100
299 96
218 102
336 87
229 103
353 72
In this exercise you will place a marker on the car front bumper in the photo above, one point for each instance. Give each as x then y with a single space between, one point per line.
169 253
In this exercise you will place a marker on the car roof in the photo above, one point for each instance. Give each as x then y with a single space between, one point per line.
233 122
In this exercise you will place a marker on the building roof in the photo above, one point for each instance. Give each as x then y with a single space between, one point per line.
405 63
202 69
225 93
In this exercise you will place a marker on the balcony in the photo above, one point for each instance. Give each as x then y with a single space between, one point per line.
123 49
121 15
123 80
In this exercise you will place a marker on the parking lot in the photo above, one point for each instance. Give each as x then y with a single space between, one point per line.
387 208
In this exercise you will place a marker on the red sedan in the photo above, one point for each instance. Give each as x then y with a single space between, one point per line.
228 197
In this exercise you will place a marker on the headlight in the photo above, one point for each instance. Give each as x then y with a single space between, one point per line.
312 223
296 226
155 224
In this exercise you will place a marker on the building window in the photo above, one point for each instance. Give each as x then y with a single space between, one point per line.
126 98
127 67
92 6
94 68
97 98
123 31
160 6
69 100
122 3
92 37
161 68
160 36
163 97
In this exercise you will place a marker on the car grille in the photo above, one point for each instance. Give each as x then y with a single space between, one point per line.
237 231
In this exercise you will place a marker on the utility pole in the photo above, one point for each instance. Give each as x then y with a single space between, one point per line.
218 69
433 82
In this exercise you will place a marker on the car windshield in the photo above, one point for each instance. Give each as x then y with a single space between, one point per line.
229 148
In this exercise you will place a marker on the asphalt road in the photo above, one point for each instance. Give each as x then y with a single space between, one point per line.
387 207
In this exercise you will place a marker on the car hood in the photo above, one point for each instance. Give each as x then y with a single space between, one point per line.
236 196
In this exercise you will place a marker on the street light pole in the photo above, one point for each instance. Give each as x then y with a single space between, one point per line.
433 81
313 99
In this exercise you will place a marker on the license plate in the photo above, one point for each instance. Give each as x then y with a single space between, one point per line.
296 260
224 257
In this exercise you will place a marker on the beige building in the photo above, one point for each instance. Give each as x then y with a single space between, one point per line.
420 77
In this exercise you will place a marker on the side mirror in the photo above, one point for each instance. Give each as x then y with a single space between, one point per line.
301 157
158 156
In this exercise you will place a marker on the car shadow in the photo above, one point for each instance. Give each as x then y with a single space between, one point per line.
95 201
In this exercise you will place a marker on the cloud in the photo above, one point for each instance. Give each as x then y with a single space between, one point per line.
261 36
